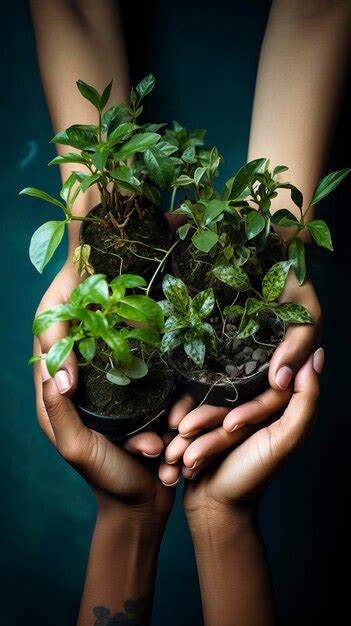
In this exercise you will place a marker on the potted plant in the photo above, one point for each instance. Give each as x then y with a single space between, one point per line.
220 343
130 163
124 382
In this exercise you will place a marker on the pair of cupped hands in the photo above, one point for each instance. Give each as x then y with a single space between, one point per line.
226 455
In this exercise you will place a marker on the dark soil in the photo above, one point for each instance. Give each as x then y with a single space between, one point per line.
237 358
143 395
131 250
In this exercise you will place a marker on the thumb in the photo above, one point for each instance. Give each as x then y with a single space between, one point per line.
66 377
298 343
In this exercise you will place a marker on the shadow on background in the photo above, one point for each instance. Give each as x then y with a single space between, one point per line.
205 63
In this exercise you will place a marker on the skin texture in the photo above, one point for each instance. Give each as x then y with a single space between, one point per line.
301 50
132 504
221 505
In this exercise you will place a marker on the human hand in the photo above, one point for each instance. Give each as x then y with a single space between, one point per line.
193 445
120 481
240 478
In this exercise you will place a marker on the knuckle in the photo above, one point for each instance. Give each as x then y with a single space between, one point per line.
53 404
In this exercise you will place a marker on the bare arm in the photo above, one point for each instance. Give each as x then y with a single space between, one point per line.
78 39
300 76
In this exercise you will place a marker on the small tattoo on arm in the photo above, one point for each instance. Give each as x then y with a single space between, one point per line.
134 615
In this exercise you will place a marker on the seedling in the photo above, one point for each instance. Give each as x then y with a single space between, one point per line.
111 336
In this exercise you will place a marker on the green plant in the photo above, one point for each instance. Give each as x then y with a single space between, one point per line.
185 323
237 227
109 328
129 162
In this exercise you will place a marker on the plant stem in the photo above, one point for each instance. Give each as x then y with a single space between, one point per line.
171 207
79 218
161 263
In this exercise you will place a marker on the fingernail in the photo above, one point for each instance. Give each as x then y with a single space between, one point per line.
172 427
171 462
151 456
283 377
237 426
318 360
170 484
191 433
62 381
44 370
193 466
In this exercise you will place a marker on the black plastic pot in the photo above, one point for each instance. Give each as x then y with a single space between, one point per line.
244 389
119 427
145 271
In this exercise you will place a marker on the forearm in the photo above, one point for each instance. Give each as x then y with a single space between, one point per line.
233 571
78 39
121 569
299 83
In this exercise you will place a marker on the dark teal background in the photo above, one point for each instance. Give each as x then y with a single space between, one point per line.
204 57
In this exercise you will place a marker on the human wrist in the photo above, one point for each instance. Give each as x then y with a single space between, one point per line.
223 523
145 519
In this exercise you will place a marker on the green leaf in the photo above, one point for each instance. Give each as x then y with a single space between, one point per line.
172 340
34 359
59 313
279 169
195 349
237 185
248 327
198 174
209 337
232 275
89 181
137 368
96 323
37 193
253 306
184 209
213 209
89 93
296 253
274 281
284 218
254 224
118 345
76 137
141 309
320 233
293 313
92 290
138 143
67 186
295 193
183 230
117 377
233 309
147 335
112 118
204 240
44 242
58 353
166 307
152 194
121 132
105 96
69 157
167 148
176 292
129 281
87 348
99 158
182 181
204 302
327 184
145 86
125 178
159 167
262 238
